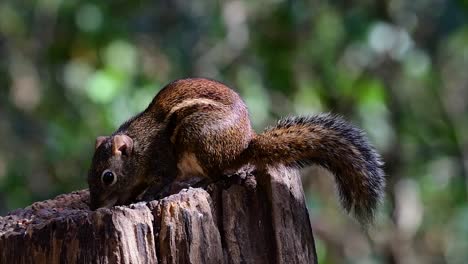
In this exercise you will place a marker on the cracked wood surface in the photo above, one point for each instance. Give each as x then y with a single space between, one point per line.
235 224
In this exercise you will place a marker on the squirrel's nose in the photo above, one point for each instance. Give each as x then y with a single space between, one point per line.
97 201
93 203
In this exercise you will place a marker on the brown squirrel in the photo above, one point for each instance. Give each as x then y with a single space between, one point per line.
200 128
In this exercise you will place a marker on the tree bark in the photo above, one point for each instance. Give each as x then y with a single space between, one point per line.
234 224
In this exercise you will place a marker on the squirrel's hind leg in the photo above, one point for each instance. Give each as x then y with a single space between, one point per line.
216 135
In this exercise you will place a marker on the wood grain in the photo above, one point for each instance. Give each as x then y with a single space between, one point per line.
226 224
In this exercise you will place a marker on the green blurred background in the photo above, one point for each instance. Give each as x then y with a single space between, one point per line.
72 70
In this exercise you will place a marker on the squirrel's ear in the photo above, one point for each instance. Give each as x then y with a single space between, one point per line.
99 141
122 144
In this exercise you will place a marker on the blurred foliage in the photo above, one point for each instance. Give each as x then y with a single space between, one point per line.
73 70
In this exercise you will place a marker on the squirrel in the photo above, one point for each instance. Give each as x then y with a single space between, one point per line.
200 128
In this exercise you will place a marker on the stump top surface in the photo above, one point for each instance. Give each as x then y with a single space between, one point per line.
228 224
39 214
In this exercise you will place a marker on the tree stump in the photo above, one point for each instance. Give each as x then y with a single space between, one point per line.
234 224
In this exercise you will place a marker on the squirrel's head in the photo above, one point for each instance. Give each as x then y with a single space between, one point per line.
114 178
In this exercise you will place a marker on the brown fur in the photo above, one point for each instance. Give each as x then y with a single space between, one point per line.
200 128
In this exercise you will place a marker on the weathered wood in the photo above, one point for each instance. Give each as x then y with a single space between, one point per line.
234 224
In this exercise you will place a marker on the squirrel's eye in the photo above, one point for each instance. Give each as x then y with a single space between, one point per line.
108 178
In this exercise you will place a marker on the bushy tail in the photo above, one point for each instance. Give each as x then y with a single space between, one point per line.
331 142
